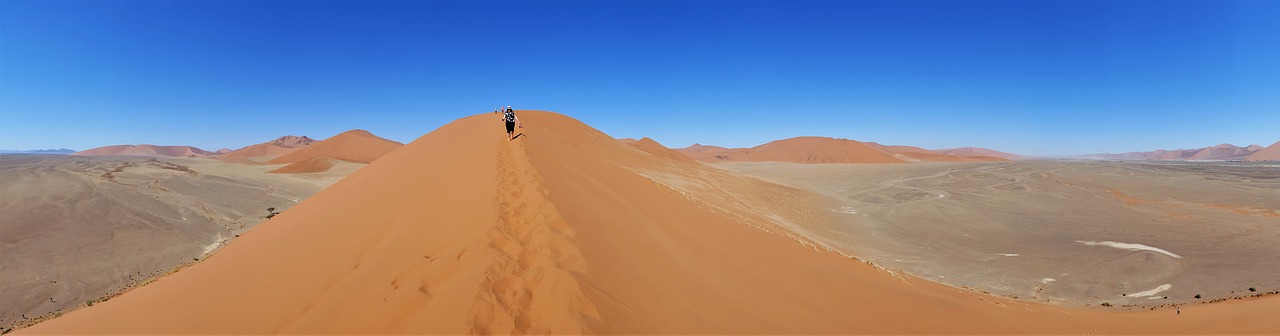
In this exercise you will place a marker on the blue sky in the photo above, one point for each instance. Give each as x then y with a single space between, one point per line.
1048 78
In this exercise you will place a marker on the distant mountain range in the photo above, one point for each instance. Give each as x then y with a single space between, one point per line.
38 151
1219 152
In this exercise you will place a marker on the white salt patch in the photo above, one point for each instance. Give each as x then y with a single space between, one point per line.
1155 298
1130 247
1151 292
941 196
1009 254
848 210
216 243
1047 280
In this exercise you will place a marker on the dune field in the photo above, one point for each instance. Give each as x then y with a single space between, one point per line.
567 230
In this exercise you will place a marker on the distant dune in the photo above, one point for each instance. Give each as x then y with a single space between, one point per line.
313 165
568 230
144 150
358 146
978 152
268 150
912 154
653 147
1219 152
799 150
1270 153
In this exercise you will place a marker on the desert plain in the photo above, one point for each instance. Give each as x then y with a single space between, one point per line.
1137 234
76 230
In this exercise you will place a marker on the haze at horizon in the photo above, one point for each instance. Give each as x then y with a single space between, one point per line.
1042 78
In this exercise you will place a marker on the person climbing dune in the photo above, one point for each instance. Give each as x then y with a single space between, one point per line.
511 120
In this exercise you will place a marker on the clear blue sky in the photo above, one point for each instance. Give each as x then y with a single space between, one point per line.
1027 77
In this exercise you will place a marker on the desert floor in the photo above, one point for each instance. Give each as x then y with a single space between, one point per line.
1075 233
75 230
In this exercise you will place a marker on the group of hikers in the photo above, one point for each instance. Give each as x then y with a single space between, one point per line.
509 117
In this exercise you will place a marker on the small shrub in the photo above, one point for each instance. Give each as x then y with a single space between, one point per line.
195 259
1197 296
1106 304
1251 289
89 303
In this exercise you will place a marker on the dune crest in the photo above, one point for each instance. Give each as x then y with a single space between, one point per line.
1270 153
564 230
144 150
798 150
357 146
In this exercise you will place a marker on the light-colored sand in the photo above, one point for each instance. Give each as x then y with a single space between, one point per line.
144 150
567 230
917 154
1130 247
978 152
357 146
1271 153
1207 229
75 229
798 150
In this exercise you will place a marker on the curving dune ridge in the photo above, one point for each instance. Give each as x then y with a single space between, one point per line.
566 230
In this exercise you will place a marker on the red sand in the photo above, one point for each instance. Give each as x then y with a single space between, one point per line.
317 164
462 231
144 150
1271 153
354 146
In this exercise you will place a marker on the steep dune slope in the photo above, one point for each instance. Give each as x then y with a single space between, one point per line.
1271 153
358 146
653 147
566 230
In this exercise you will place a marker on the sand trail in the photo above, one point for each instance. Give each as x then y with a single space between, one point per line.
536 260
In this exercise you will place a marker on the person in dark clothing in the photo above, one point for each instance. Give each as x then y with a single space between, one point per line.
511 120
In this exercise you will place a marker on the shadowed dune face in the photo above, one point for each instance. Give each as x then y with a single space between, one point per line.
565 230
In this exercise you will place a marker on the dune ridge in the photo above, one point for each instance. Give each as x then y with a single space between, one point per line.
144 150
798 149
566 230
1270 153
357 146
978 152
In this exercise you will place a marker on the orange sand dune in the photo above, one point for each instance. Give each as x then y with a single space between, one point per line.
978 152
799 150
268 150
259 152
558 232
653 147
317 164
354 146
1271 153
706 153
144 150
